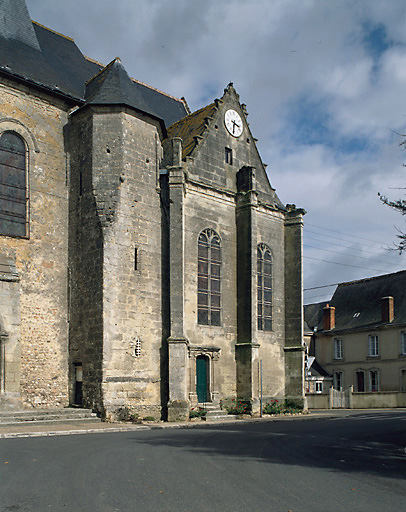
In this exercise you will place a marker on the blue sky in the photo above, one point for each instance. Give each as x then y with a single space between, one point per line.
324 84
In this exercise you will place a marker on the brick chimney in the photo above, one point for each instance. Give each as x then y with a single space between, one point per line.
388 309
329 317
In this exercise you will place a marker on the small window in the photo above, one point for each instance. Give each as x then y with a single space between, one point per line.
403 343
373 381
137 348
229 156
338 348
136 258
319 387
80 184
13 185
373 346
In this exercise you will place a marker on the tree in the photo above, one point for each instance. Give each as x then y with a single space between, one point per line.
400 206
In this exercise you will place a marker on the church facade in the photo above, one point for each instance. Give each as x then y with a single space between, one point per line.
146 263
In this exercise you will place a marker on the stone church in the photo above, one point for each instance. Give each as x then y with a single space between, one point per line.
146 262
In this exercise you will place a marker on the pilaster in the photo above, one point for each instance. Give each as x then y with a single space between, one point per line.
178 405
294 349
247 348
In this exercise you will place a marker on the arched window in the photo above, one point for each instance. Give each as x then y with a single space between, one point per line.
13 185
264 287
208 278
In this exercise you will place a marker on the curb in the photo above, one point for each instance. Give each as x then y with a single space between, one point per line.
163 426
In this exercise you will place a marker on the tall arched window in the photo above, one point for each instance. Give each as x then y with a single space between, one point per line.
13 185
208 278
264 287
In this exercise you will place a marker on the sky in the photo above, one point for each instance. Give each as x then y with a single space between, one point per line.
324 82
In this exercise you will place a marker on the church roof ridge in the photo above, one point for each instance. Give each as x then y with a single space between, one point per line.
373 278
157 90
94 61
139 82
103 70
53 31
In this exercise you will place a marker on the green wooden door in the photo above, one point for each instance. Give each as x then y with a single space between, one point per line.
202 364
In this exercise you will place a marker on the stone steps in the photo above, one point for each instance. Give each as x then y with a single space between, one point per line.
213 412
42 416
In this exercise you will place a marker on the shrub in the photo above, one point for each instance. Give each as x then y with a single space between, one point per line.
274 407
197 413
237 407
287 407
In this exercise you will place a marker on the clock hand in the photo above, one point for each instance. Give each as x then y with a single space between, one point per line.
235 125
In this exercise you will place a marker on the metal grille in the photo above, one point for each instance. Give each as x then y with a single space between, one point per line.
13 187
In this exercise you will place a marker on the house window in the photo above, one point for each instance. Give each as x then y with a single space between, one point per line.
208 278
13 185
373 346
338 348
319 387
403 343
360 378
338 381
228 156
373 380
264 287
403 380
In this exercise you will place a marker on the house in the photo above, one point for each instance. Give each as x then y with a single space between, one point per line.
359 338
147 265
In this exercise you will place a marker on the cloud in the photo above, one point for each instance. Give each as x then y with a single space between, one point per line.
323 83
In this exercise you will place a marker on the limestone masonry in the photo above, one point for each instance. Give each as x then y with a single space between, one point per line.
146 263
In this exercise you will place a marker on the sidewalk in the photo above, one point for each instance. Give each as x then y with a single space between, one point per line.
85 427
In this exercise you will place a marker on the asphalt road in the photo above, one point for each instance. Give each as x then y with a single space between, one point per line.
343 464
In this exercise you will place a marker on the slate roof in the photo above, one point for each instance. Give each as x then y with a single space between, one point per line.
59 66
314 315
358 303
191 127
43 57
113 86
314 369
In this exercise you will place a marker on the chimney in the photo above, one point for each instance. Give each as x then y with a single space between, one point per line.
388 309
329 318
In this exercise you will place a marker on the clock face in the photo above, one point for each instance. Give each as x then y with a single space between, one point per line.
233 122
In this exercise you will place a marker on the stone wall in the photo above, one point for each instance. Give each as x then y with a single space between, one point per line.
41 259
121 221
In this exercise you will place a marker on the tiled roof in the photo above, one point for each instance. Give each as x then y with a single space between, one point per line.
192 126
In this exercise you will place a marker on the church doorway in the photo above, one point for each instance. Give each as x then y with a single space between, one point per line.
202 379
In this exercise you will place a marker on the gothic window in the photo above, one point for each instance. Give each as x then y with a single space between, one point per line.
264 287
208 278
13 185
